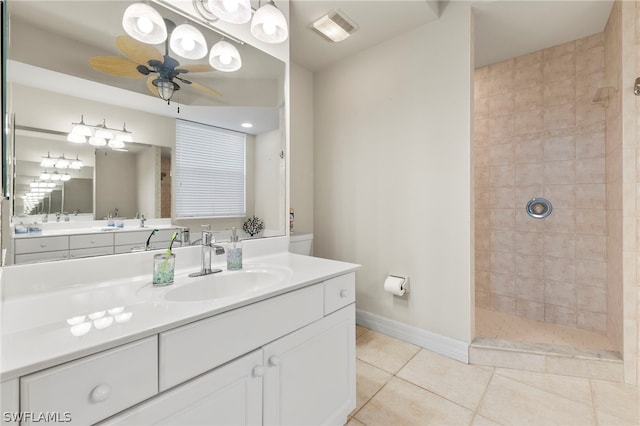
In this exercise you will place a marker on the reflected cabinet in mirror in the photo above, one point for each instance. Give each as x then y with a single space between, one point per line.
71 63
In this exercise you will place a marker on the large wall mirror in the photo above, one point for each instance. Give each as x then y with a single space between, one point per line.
51 85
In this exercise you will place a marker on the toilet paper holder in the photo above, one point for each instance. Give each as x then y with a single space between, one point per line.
398 285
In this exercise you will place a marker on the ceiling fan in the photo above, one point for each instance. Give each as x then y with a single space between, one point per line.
144 60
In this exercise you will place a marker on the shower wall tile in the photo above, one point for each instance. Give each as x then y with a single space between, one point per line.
560 221
559 92
560 315
591 196
529 243
529 266
539 135
528 148
530 309
591 247
592 321
531 289
560 172
559 245
503 284
590 170
560 293
560 148
592 299
591 222
560 116
559 269
562 196
558 67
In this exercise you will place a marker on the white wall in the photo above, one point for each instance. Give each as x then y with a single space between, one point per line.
148 181
268 175
301 149
392 172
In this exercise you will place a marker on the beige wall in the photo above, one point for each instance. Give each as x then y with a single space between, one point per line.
537 134
301 150
636 46
392 172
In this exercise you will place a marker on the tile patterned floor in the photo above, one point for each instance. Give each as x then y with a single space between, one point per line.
400 384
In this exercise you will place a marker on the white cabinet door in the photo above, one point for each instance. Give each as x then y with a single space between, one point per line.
228 395
310 376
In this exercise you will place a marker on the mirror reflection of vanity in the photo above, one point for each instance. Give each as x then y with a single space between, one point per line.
51 85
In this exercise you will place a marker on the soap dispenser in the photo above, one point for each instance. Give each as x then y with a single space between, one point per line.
234 252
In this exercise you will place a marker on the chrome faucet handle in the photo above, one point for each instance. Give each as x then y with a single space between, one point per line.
207 238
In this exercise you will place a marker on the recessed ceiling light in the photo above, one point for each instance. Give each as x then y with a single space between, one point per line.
247 125
335 25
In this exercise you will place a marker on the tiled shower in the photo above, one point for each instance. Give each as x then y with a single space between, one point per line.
539 133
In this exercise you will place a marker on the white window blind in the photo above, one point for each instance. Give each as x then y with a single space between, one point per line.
210 171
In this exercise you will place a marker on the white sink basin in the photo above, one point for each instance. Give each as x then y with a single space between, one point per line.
228 284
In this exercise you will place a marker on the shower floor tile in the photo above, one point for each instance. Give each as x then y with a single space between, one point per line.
495 325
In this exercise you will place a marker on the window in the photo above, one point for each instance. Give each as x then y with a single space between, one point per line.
210 171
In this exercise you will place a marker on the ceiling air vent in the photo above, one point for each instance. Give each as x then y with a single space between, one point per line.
335 26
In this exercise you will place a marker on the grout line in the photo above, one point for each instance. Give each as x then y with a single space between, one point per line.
484 393
593 404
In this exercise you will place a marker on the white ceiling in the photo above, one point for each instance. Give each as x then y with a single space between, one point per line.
503 29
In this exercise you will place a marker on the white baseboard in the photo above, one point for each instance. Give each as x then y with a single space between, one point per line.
443 345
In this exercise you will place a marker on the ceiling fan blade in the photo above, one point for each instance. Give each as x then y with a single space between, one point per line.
138 52
206 89
153 89
197 68
115 65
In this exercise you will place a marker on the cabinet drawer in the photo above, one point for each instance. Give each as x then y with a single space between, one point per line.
90 240
338 292
34 245
45 256
88 252
185 353
95 387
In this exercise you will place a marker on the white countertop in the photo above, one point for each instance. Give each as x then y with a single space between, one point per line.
36 333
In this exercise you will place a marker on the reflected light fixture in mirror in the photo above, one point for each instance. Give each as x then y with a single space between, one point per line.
232 11
225 57
269 25
99 135
188 42
144 23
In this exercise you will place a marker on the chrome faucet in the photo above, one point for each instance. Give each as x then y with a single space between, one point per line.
142 220
208 246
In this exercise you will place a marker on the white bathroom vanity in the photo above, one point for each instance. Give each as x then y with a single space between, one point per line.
92 341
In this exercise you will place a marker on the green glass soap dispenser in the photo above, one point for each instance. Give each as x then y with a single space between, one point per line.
234 252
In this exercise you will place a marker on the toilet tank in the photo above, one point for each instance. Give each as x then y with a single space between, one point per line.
301 244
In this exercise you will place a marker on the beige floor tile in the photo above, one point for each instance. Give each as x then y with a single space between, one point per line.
354 422
402 403
369 380
616 399
478 420
383 351
514 403
461 383
360 331
574 388
606 419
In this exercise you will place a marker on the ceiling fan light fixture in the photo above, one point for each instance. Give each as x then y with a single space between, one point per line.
225 57
188 42
165 88
144 23
232 11
269 24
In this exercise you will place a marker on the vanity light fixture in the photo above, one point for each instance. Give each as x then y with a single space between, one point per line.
76 164
45 176
269 24
62 163
99 134
144 23
232 11
48 161
188 42
225 57
336 26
